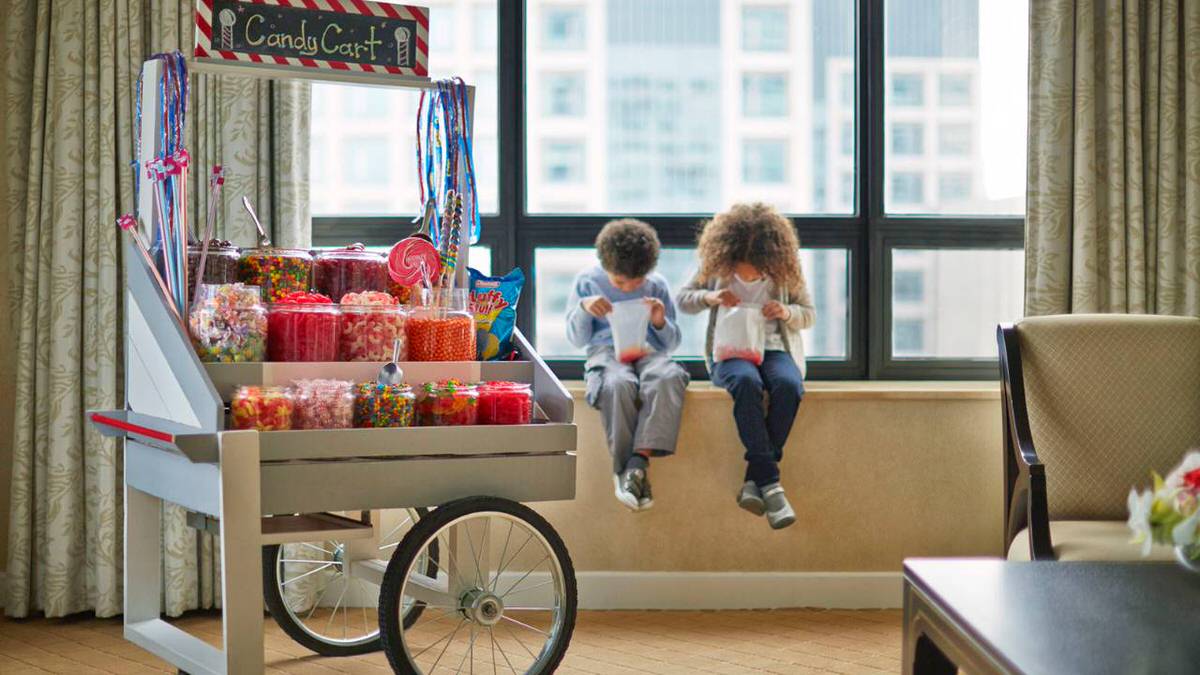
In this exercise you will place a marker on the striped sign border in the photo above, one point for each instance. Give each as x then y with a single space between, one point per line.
204 31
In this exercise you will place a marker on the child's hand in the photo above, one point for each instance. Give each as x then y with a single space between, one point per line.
776 310
596 305
722 297
658 313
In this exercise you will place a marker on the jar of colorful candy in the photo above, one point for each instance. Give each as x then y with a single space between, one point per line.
371 324
383 405
262 408
277 271
505 403
220 267
448 403
303 327
403 294
353 269
323 404
442 327
228 324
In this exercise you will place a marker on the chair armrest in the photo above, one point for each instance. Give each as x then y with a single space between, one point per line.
1025 501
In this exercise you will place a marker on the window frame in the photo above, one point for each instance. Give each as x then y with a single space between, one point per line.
869 234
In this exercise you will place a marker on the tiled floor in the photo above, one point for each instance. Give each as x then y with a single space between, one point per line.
781 641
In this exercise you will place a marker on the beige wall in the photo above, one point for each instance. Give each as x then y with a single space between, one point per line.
874 476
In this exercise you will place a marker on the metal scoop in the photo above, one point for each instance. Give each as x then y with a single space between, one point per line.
392 373
263 240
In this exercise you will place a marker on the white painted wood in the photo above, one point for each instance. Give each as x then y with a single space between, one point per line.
241 553
151 73
143 550
277 72
169 476
187 652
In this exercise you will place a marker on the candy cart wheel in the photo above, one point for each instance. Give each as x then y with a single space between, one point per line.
306 588
503 594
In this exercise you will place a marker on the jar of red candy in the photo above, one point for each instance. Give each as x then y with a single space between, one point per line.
371 323
303 327
442 327
505 403
353 269
448 403
220 266
228 324
384 405
277 271
323 404
262 409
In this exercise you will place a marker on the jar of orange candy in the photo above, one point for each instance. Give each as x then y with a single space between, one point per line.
442 327
262 408
447 403
505 403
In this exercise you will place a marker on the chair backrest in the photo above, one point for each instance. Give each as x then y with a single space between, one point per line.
1110 397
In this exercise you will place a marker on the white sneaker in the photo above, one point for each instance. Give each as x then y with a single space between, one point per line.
779 511
628 487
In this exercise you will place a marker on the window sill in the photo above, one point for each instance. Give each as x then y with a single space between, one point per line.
859 390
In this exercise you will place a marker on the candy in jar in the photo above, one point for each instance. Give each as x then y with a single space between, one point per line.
303 327
505 403
371 324
447 403
442 328
383 405
277 271
228 324
349 270
323 404
220 265
262 409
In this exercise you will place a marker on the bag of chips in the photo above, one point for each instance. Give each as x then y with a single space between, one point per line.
494 303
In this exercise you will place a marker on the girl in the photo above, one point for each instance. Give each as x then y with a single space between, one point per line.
750 254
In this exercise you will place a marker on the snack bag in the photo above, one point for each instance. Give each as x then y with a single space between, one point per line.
630 320
494 303
741 333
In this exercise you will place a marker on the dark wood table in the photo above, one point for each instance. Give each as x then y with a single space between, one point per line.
992 616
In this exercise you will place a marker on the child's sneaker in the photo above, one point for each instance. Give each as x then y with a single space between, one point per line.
647 499
750 498
628 486
779 511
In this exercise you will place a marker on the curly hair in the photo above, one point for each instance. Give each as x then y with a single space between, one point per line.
756 234
628 247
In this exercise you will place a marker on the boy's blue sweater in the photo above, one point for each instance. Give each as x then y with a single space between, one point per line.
585 330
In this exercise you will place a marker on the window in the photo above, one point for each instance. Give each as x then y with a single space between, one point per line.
908 285
908 337
847 138
764 29
764 95
954 140
564 162
564 28
764 161
908 89
361 161
564 95
954 187
484 25
954 89
908 188
908 139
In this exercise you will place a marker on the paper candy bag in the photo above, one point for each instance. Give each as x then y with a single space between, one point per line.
629 320
741 333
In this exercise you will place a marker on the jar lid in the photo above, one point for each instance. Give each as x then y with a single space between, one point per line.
304 298
214 246
261 391
449 388
278 252
237 296
503 385
352 252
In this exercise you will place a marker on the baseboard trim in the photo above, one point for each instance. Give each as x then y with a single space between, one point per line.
3 588
738 590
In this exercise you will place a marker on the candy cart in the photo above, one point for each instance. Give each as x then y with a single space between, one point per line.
413 540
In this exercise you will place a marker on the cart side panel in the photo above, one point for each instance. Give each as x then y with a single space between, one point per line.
550 395
173 477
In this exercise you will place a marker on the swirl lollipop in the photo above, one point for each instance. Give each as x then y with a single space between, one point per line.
227 18
413 261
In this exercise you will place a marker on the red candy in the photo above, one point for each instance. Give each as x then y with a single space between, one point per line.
447 404
262 409
303 327
371 323
632 354
505 403
752 355
323 404
349 270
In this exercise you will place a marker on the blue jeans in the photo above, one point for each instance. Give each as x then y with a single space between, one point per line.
764 439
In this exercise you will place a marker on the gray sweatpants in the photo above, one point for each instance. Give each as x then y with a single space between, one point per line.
616 389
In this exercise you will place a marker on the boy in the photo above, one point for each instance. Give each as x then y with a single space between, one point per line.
628 252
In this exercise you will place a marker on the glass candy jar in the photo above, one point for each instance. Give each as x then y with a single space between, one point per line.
262 408
384 405
277 271
448 403
505 403
220 266
323 404
371 324
349 270
303 327
442 327
228 324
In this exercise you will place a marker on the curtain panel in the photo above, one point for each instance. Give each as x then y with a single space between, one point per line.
1113 221
67 87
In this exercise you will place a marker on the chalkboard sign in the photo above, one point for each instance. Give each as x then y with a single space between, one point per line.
337 36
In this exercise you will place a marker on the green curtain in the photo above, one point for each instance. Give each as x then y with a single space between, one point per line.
1113 222
67 87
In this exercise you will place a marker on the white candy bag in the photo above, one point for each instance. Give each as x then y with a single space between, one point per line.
741 333
629 320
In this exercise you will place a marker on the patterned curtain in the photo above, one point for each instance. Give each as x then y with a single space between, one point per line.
67 87
1113 221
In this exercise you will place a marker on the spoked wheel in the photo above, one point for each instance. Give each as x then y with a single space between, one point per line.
324 594
502 598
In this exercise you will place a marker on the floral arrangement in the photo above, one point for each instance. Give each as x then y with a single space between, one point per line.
1170 512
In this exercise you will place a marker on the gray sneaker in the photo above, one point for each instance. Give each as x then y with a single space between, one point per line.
750 498
628 486
647 499
779 511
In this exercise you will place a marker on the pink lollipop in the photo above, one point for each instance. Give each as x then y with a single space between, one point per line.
412 261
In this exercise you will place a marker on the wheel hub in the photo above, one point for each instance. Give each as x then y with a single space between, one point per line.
483 607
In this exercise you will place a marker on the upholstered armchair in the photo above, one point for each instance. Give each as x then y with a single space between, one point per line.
1091 404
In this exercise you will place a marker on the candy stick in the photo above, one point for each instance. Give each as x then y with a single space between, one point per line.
214 194
129 224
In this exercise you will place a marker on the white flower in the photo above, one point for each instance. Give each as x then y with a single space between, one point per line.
1139 519
1190 462
1184 534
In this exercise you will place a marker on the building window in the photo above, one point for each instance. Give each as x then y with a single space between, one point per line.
954 187
907 90
764 95
764 29
954 140
908 337
908 286
908 188
564 28
847 138
483 17
954 90
848 89
563 162
846 194
764 162
564 95
908 139
362 161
